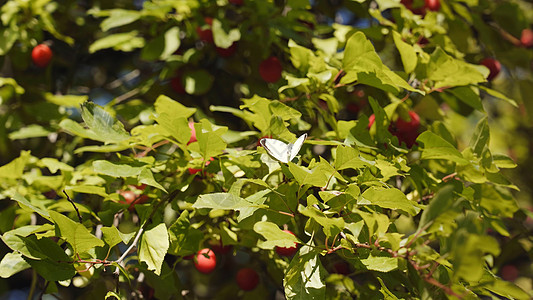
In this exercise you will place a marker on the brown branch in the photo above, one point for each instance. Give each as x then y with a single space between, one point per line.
77 211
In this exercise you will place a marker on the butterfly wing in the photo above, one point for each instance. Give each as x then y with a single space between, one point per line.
295 148
277 149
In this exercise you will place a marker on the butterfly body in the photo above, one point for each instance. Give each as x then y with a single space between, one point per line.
282 151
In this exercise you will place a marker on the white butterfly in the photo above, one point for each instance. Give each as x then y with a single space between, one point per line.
281 151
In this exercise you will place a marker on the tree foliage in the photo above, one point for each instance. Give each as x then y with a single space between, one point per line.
137 146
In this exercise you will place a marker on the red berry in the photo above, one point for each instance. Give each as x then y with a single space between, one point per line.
205 264
408 126
371 120
247 279
177 85
219 248
270 69
193 133
41 55
353 108
287 251
129 196
341 268
236 2
433 5
205 33
193 171
227 52
526 39
509 273
493 65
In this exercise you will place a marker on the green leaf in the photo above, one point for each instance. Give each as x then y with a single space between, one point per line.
257 201
210 142
66 100
498 95
172 116
113 236
172 42
468 96
380 263
147 177
197 82
222 201
104 126
15 168
390 198
53 270
184 239
75 233
305 276
441 202
447 71
468 254
115 170
13 239
119 17
480 138
11 264
348 158
435 147
126 42
222 38
318 176
273 235
331 226
34 206
54 165
497 201
30 131
362 64
10 81
407 53
153 247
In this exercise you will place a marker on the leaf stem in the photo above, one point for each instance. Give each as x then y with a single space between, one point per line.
76 208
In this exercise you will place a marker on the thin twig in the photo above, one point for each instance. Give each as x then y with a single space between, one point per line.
77 211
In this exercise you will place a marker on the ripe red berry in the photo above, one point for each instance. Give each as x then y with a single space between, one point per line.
493 65
287 251
205 264
227 52
193 133
526 39
219 248
41 55
371 120
341 268
193 171
433 5
408 126
270 69
177 85
247 279
509 273
205 33
237 2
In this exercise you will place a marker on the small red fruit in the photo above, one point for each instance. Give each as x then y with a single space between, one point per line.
509 273
353 108
341 268
193 133
41 55
526 39
287 251
193 171
177 85
247 279
237 2
408 126
205 33
371 120
205 264
129 196
227 52
433 5
219 248
270 69
493 65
